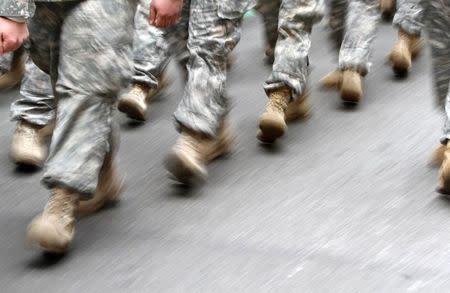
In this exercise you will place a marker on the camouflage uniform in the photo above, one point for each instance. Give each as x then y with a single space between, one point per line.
153 47
37 104
86 47
269 10
214 30
6 62
409 16
360 28
291 52
437 18
337 13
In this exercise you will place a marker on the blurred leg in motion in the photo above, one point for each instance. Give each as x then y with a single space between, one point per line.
409 22
286 86
387 8
153 48
12 68
269 10
214 30
337 13
437 23
361 22
88 54
35 114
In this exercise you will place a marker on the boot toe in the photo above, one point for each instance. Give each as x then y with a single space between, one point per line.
184 169
272 125
133 109
48 236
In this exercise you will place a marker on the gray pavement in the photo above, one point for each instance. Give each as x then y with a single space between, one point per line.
346 202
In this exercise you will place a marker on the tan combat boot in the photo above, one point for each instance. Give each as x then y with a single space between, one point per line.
444 172
30 144
351 86
299 108
54 229
387 8
272 123
135 103
193 151
332 79
438 155
14 76
109 188
406 48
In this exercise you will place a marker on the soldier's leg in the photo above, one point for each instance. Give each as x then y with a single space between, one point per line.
91 61
287 81
409 21
153 48
202 112
437 22
337 12
269 10
34 112
361 23
12 67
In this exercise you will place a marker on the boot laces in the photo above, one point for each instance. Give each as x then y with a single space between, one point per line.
278 103
63 205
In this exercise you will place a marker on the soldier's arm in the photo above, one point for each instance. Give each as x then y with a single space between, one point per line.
13 29
164 13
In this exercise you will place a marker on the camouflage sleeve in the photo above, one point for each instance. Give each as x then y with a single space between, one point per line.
20 9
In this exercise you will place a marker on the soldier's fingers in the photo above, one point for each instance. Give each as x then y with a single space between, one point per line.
10 45
1 44
152 15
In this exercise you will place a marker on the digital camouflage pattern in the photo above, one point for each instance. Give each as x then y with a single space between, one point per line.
36 105
76 49
214 31
296 20
409 16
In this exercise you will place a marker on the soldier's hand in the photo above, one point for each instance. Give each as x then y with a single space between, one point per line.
12 35
164 13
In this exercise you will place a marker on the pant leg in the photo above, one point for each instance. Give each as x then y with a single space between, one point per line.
36 105
211 39
437 20
153 47
409 16
337 13
361 24
6 62
438 23
269 10
94 63
290 68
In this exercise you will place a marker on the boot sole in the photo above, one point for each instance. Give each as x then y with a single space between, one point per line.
183 170
26 161
130 109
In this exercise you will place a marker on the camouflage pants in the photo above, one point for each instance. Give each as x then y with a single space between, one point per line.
86 47
269 10
6 62
360 28
153 47
211 38
37 104
291 52
437 16
409 16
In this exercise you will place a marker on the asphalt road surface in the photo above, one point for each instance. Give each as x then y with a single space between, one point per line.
346 202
